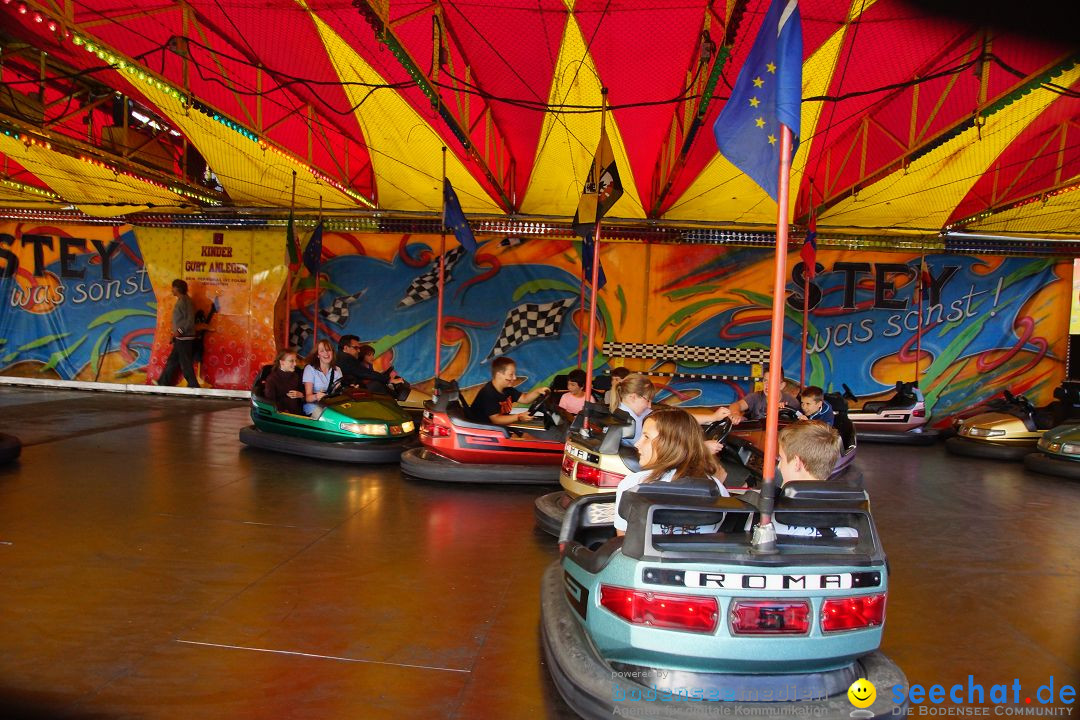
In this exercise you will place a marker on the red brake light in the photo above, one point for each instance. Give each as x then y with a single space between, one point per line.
853 613
596 477
568 466
429 427
770 617
663 610
919 413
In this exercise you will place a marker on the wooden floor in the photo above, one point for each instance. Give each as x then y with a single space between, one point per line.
152 567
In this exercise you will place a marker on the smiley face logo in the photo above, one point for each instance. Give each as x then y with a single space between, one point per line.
862 693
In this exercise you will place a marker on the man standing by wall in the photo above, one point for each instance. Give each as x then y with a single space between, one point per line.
183 338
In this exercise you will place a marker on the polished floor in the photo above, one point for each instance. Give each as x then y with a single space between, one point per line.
153 567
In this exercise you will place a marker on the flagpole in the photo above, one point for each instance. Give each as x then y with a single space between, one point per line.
806 300
595 258
581 304
918 338
288 269
318 271
442 275
764 539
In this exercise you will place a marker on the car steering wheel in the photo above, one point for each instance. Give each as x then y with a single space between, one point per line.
335 387
538 403
786 414
718 429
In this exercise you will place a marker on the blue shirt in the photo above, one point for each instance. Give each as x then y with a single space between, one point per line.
825 414
639 420
320 382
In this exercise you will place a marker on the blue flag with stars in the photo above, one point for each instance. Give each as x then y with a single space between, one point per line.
454 218
767 93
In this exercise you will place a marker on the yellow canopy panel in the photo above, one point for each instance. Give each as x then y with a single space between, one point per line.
96 190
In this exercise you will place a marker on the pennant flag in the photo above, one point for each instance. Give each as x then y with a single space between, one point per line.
291 245
529 321
767 94
923 282
454 218
338 312
427 285
313 251
588 249
602 190
299 334
809 250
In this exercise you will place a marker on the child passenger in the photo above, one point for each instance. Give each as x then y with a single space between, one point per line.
634 396
283 386
671 446
809 450
815 406
573 400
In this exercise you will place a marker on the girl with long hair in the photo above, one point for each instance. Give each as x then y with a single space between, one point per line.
634 396
319 374
671 447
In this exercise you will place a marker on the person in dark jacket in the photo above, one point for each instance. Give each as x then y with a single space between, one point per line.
357 363
283 386
183 338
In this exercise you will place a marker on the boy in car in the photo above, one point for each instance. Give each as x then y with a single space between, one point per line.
815 406
808 450
494 404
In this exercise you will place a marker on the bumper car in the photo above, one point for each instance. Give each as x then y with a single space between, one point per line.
1058 454
900 420
1013 429
596 461
10 447
350 425
697 624
456 450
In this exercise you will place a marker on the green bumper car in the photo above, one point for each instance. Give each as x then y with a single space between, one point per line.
350 425
1059 453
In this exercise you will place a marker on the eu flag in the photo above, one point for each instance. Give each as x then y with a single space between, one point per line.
313 250
454 218
767 94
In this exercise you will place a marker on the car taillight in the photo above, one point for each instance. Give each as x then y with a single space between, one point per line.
770 617
596 477
429 427
919 413
568 466
662 610
853 613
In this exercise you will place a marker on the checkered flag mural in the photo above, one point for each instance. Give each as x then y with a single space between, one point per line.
529 321
338 312
427 285
511 242
299 334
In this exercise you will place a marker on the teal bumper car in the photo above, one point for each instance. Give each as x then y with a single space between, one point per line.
697 624
349 425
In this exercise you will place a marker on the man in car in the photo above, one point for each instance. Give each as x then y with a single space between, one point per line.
815 406
494 404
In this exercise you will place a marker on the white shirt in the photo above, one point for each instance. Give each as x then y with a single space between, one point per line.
320 382
634 479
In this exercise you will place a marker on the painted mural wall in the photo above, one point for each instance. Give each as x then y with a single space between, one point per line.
94 303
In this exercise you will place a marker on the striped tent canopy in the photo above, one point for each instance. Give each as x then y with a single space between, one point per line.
912 123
